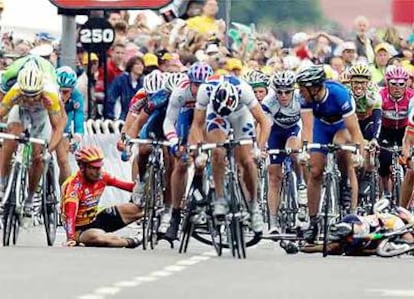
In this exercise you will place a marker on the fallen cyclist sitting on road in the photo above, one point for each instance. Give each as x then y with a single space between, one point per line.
80 198
350 236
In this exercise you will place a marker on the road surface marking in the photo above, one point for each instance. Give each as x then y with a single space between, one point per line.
393 293
108 291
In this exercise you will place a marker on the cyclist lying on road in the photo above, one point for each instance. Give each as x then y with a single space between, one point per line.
80 199
348 236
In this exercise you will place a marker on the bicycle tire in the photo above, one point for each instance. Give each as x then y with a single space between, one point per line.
148 209
292 201
214 232
185 236
10 215
49 209
385 249
326 207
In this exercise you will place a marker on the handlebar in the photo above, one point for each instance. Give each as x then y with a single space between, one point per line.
22 139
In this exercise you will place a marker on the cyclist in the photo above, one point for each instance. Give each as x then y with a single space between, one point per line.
368 102
81 192
32 102
328 116
73 101
176 127
396 97
224 103
283 106
259 82
151 120
351 235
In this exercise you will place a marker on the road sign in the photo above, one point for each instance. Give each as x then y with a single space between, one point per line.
96 35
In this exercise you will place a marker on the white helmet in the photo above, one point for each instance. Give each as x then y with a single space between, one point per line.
225 98
381 205
30 79
173 79
154 82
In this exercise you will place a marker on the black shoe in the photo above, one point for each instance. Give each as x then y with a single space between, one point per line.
172 232
133 242
289 247
339 231
311 233
346 197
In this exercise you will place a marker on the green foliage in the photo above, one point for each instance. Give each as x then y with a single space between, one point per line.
276 12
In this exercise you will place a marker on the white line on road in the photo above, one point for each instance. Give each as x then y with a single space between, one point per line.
108 291
392 293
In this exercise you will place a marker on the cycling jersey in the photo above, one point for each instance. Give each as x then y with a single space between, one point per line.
336 104
155 108
9 76
283 117
395 113
138 102
80 199
49 99
179 113
74 111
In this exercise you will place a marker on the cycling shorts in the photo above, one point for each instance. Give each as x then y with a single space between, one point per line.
38 120
108 220
324 133
277 140
242 123
185 118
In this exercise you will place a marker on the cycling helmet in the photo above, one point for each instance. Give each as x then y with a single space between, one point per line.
199 72
173 79
283 80
91 155
344 77
67 77
225 98
360 71
30 79
396 72
154 82
256 79
312 76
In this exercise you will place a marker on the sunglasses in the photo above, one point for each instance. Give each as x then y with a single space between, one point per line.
66 91
359 82
93 167
287 92
399 83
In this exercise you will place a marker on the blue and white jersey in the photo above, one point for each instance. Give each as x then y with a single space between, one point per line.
246 94
282 116
337 104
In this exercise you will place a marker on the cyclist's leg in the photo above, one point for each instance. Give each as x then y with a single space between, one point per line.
217 131
407 188
99 232
347 170
62 152
14 126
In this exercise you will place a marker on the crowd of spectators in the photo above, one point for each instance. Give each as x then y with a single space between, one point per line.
198 35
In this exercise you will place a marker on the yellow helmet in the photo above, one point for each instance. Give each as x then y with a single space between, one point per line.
30 79
344 77
360 70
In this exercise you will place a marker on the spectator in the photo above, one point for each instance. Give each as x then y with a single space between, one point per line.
392 37
22 47
348 53
300 46
87 82
115 66
124 87
114 17
194 8
234 66
363 43
121 31
206 24
337 64
382 55
150 63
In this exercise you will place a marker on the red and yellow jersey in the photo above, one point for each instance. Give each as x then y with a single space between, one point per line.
80 199
49 99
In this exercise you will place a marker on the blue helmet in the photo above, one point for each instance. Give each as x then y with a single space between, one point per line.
199 72
67 77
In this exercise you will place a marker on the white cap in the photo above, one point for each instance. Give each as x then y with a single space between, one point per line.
212 49
299 37
42 50
348 46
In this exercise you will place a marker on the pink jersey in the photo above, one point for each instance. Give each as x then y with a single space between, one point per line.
395 113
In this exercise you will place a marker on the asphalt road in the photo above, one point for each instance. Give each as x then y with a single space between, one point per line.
32 270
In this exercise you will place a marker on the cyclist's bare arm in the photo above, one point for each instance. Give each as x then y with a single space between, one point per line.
307 119
264 125
58 126
197 127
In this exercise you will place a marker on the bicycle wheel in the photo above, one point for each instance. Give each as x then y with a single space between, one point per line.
148 210
215 233
10 217
292 204
49 206
388 248
326 209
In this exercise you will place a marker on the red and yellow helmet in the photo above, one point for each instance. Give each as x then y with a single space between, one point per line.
90 155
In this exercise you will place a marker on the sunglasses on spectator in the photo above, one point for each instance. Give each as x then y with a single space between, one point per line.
398 83
287 92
